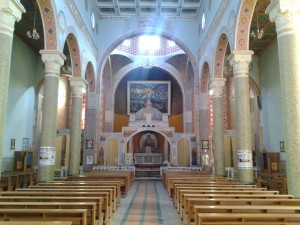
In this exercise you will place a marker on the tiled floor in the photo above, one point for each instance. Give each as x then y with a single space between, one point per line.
147 203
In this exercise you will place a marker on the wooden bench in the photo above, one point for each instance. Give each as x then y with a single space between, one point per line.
247 219
35 223
105 195
117 184
76 216
89 206
231 187
188 214
82 188
190 193
97 200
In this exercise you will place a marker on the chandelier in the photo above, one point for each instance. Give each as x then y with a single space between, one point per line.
34 35
259 32
147 64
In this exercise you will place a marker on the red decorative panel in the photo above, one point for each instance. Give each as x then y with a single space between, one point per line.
244 22
220 54
49 24
75 56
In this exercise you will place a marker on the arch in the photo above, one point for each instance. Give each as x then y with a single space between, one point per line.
219 56
90 77
49 23
244 24
75 55
204 78
183 152
111 151
165 134
254 86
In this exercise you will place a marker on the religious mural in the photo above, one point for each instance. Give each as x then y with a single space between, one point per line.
157 92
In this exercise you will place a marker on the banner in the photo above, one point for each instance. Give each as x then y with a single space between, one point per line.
47 156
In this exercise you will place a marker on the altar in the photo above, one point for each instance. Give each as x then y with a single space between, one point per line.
147 159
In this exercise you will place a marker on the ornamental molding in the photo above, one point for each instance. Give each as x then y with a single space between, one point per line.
82 26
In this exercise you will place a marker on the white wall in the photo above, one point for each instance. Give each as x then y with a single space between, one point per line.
272 117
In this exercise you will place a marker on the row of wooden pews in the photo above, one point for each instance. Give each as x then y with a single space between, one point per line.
203 199
82 202
12 180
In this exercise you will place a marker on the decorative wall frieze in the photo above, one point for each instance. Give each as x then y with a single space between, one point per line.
82 26
215 23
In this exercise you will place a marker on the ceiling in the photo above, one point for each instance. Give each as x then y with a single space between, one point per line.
262 20
187 8
119 8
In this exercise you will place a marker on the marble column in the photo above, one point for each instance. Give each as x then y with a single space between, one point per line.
286 14
10 12
53 60
240 61
217 86
165 151
78 85
130 145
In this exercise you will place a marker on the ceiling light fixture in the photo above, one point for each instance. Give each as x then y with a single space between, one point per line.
259 32
34 35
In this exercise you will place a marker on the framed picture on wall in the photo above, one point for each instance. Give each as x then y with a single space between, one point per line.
282 146
89 144
12 144
205 144
157 92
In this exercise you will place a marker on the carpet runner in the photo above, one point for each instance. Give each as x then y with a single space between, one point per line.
147 203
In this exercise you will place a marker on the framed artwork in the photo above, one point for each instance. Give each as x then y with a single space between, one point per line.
89 144
205 144
139 92
12 144
25 144
282 146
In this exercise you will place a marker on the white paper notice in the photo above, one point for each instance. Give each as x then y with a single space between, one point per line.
47 156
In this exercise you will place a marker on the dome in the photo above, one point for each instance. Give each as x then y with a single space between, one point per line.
148 110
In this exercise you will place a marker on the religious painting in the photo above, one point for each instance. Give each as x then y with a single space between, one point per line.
25 144
156 92
89 144
205 144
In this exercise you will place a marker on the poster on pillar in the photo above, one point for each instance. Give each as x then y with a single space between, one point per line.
244 159
47 156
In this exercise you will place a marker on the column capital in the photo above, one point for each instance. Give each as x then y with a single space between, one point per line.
53 56
278 7
13 8
217 86
78 84
240 61
286 14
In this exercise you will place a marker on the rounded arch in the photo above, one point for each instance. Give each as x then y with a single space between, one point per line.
183 152
254 86
90 77
219 56
126 139
153 32
204 78
244 24
48 16
75 54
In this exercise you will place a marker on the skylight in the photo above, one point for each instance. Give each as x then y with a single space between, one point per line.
126 43
149 44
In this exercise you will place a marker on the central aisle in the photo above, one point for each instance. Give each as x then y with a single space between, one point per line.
147 203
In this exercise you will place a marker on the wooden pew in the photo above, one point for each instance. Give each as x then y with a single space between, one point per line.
105 195
171 183
190 193
89 206
35 223
247 219
188 215
76 216
225 187
117 184
81 188
73 199
125 178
